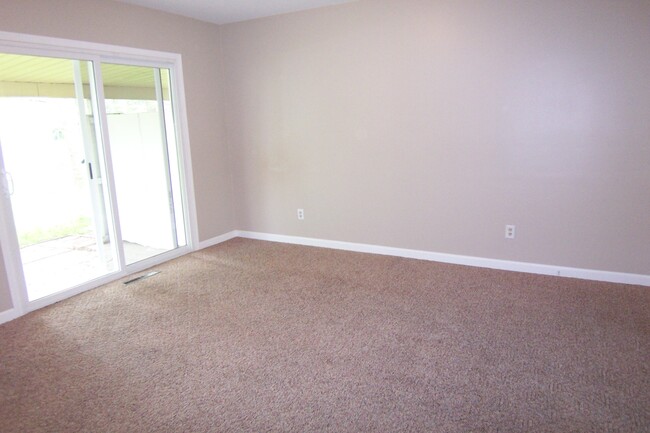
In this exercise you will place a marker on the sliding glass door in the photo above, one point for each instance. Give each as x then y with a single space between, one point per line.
145 160
91 166
52 165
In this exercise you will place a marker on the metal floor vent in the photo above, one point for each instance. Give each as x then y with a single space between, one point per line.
141 277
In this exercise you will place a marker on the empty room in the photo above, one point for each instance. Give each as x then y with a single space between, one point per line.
324 215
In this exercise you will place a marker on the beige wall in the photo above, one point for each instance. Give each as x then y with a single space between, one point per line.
199 45
431 124
414 123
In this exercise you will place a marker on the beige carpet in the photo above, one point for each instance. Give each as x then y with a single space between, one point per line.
257 336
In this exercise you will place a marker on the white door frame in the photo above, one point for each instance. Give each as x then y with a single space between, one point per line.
9 242
17 43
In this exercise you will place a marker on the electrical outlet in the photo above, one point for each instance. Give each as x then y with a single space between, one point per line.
510 232
301 214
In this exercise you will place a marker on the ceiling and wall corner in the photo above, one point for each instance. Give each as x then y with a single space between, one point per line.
230 11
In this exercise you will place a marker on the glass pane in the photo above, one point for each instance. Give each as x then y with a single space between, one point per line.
145 165
48 142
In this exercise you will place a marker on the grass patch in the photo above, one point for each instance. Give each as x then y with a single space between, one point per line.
79 227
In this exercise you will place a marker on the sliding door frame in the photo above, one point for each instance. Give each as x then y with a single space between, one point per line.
22 44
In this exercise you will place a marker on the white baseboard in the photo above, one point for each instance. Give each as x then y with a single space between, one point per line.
14 313
9 315
533 268
218 239
481 262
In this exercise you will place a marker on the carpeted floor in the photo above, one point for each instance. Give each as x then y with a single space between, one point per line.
258 336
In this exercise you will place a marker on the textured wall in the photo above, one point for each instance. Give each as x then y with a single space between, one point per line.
432 124
198 43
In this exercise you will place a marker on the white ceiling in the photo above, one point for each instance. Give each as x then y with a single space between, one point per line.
230 11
